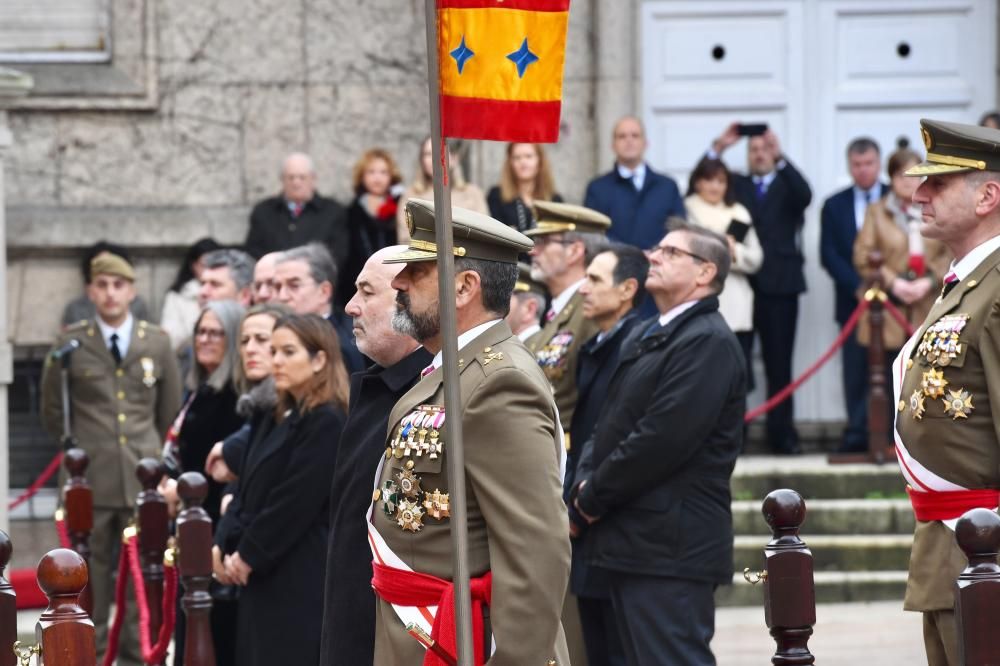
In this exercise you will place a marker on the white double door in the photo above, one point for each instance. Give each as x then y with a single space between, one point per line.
819 73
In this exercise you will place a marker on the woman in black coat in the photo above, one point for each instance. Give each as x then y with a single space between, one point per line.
524 179
275 532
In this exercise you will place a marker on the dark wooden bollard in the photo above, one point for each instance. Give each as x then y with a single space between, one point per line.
789 594
78 500
194 541
8 605
154 530
977 592
64 631
878 392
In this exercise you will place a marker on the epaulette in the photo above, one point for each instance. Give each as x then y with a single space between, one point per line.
78 325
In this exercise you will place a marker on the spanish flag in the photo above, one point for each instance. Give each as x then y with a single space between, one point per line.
501 68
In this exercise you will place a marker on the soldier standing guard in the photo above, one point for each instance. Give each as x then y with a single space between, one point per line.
125 390
567 238
518 530
946 379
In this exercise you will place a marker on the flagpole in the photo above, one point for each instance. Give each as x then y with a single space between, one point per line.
449 347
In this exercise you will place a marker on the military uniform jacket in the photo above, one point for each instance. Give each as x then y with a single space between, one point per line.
517 521
948 419
119 414
556 348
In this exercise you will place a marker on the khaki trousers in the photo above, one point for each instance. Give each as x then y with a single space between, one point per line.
941 638
105 546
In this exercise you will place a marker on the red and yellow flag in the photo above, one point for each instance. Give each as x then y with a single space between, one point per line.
501 68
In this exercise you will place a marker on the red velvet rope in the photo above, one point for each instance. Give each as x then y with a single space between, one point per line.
899 317
784 393
42 479
129 562
63 533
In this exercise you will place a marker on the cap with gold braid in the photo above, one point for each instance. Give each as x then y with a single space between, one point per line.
557 218
476 236
525 284
954 147
107 263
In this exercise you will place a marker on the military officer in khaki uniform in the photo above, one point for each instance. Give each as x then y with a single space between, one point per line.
125 390
947 376
527 304
566 239
518 529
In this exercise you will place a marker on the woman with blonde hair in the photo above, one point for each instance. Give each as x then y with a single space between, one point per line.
525 177
276 529
371 217
463 194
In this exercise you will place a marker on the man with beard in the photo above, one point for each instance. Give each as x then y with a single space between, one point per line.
349 605
518 530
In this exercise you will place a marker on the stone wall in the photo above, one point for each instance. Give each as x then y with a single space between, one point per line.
239 83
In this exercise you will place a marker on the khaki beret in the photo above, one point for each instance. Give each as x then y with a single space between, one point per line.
955 147
556 218
526 284
111 264
475 236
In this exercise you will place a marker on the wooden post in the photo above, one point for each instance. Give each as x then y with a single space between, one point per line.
64 631
78 500
789 594
8 606
153 524
977 591
194 541
878 392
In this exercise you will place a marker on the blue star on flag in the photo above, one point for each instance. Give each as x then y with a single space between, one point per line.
462 55
522 58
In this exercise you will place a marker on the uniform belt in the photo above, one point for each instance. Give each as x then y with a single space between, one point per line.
951 504
411 588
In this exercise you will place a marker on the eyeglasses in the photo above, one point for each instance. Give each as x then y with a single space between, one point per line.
673 252
542 241
209 333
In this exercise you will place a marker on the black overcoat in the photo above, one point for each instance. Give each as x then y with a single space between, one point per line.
659 463
278 522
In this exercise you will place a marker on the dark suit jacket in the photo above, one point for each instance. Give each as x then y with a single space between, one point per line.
279 524
660 460
637 218
778 219
515 213
272 227
349 602
838 229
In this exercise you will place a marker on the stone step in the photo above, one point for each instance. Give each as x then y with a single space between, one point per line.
833 516
837 553
831 587
814 478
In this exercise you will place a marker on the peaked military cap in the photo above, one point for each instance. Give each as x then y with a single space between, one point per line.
556 218
526 284
954 147
475 235
109 263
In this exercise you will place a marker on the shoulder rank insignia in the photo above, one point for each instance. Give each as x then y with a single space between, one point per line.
917 404
410 515
958 404
933 383
491 356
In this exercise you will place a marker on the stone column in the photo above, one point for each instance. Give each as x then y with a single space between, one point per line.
13 84
617 51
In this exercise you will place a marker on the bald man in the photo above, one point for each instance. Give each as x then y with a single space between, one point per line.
637 199
298 215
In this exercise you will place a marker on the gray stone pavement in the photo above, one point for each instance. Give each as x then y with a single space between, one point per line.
857 633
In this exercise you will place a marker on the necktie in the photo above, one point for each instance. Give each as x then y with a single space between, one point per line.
550 315
653 328
426 371
116 353
761 188
296 210
950 280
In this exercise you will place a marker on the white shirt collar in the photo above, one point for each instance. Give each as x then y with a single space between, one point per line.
971 261
124 333
636 175
560 301
767 179
676 311
862 199
528 332
464 339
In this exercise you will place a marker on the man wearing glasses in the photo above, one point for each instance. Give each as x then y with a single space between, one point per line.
654 477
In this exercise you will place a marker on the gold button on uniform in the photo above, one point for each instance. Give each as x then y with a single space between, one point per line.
388 451
409 464
902 405
119 373
909 363
376 495
121 395
121 418
972 283
123 440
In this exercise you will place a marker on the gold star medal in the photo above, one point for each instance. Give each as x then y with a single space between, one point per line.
958 404
410 516
408 483
438 504
933 383
917 404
